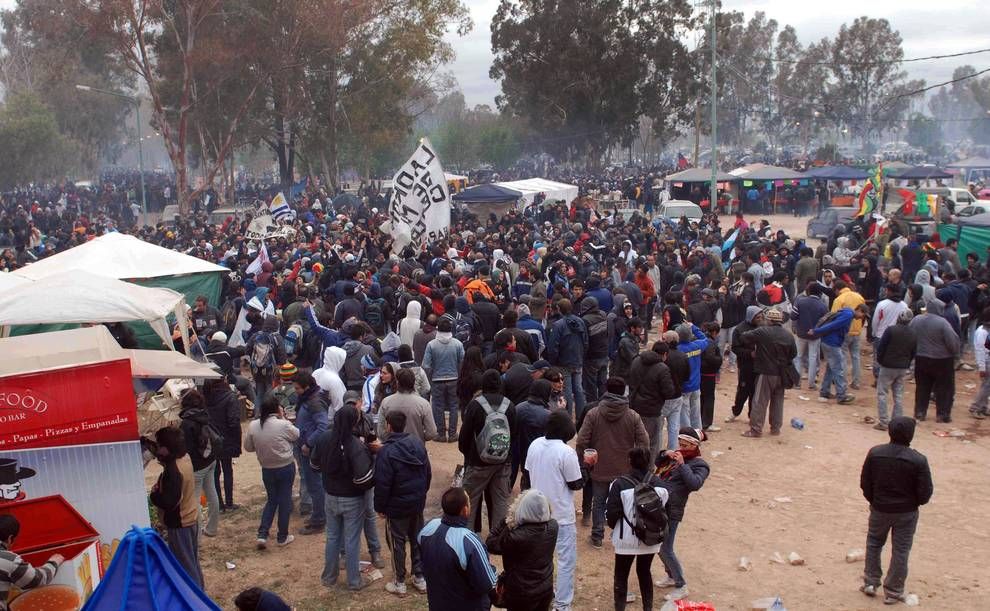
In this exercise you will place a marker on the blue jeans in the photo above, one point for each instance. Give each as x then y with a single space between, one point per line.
566 550
314 483
892 380
671 412
853 345
594 374
345 518
691 409
599 494
807 352
670 561
278 489
371 523
443 399
573 390
835 371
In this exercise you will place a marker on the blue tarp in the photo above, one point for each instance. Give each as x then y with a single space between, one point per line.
922 172
487 194
145 575
839 172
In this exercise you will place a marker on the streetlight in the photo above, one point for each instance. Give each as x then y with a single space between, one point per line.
137 109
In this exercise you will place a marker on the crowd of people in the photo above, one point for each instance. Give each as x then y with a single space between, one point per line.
513 338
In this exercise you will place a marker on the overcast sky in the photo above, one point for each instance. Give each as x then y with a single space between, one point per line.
928 28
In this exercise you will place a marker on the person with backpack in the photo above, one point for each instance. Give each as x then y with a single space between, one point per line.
526 539
266 352
272 437
681 472
637 514
204 445
466 326
554 470
485 442
376 311
225 417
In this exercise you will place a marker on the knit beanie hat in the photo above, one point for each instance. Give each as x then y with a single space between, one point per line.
287 371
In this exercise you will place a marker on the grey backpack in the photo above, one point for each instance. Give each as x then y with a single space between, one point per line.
493 439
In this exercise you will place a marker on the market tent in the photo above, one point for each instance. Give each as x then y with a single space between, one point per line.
60 349
700 175
531 187
763 172
451 177
838 172
973 233
923 172
894 168
9 282
487 194
83 297
145 575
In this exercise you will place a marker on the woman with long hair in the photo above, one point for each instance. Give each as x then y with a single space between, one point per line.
272 438
526 539
469 378
386 385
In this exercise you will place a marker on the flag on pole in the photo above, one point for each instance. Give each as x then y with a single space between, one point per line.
255 267
730 242
419 210
280 208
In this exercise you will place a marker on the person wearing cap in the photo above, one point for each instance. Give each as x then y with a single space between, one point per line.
895 352
896 480
681 472
775 349
692 342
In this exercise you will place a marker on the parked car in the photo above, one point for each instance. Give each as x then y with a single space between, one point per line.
977 207
674 209
821 225
958 198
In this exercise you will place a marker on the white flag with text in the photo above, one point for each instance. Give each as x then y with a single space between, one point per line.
419 209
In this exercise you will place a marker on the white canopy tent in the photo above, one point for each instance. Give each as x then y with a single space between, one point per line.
83 297
9 282
121 256
59 349
530 187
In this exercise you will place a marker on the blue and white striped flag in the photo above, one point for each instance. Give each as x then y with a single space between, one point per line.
730 242
280 208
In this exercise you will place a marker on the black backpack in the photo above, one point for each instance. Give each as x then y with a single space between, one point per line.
650 526
374 315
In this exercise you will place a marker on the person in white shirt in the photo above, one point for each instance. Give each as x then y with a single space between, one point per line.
555 471
885 315
979 407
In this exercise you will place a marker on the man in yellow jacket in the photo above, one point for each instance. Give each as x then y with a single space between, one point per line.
845 297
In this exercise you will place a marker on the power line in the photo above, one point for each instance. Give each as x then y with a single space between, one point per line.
937 85
865 64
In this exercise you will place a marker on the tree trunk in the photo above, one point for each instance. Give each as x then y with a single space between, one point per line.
332 161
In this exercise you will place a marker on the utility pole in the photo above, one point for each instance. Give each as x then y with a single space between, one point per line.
713 197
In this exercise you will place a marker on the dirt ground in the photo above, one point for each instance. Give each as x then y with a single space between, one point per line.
795 493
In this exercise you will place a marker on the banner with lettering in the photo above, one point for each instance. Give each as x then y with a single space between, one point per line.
419 209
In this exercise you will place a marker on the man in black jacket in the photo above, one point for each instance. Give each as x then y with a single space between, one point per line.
895 351
595 371
650 386
680 370
775 350
895 480
746 382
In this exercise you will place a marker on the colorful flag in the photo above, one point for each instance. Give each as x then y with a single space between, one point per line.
280 208
872 193
419 210
261 259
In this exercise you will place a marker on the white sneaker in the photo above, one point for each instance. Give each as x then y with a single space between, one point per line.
666 582
713 429
679 593
393 587
289 539
419 583
262 543
630 597
730 419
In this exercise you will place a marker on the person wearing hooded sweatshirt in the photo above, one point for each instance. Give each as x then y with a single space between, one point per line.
225 416
424 336
566 347
895 352
807 311
832 331
555 471
419 416
616 322
311 420
329 337
651 385
442 361
537 332
610 428
692 348
531 423
595 368
895 480
845 297
192 418
628 349
923 278
274 444
355 349
265 351
412 323
526 539
775 349
593 288
620 513
349 307
934 370
746 380
402 479
681 472
406 361
328 376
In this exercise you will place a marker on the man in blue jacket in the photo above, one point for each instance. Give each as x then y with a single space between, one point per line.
692 348
329 336
566 348
458 572
402 479
833 332
808 309
311 420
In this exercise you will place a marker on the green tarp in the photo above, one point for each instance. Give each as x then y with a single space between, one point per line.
971 239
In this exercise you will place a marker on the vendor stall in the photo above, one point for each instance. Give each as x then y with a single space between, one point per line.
486 199
69 444
531 187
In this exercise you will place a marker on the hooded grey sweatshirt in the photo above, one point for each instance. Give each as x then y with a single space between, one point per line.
443 357
936 339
